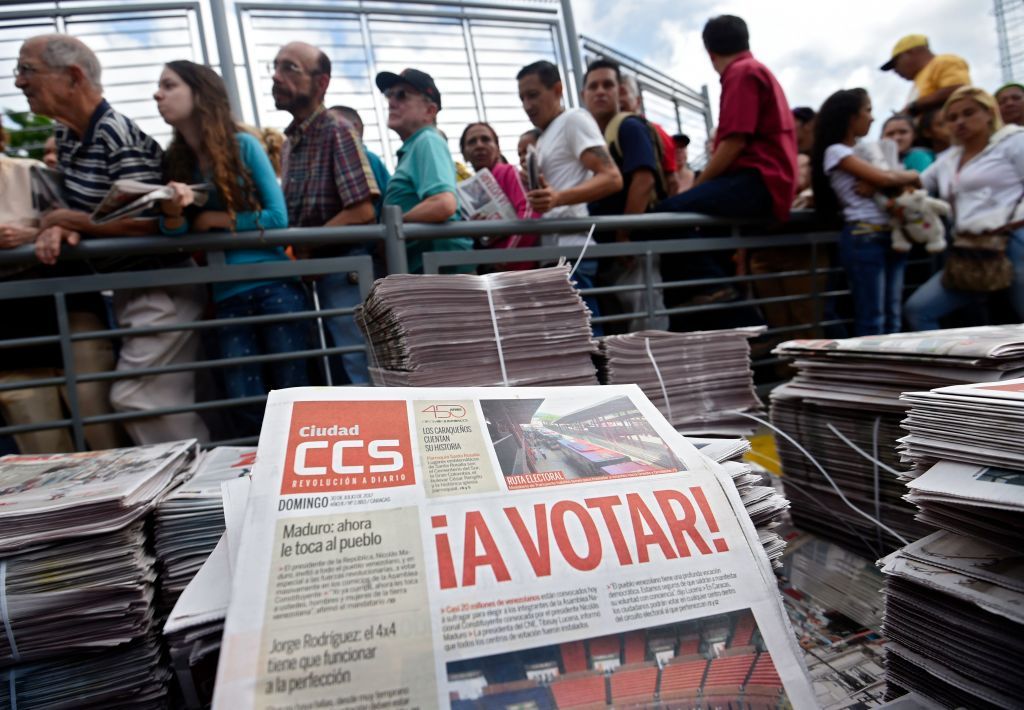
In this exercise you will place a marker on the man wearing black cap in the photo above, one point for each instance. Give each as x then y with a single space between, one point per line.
423 185
684 175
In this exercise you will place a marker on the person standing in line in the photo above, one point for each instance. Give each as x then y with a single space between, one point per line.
210 147
631 100
899 128
934 76
525 141
575 165
479 145
380 170
873 269
327 182
96 145
423 185
684 174
1011 103
982 176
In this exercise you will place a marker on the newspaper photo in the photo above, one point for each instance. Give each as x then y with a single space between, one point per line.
400 550
481 197
131 198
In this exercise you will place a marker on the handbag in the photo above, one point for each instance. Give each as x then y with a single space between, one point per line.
978 263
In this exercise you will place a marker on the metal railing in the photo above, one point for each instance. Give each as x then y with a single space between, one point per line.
390 238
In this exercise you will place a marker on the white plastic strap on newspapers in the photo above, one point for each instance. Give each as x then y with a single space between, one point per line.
494 324
657 371
579 259
5 615
373 360
821 469
11 689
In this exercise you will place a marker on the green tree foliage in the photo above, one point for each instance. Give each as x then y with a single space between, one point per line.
29 134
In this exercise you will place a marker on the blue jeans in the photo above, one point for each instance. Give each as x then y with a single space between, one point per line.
875 275
932 300
739 194
249 380
335 291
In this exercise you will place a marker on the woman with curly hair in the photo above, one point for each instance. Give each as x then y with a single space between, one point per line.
210 146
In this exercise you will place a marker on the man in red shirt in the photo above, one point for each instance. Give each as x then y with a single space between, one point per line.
752 172
754 152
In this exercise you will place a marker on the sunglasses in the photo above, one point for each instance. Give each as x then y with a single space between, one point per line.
400 95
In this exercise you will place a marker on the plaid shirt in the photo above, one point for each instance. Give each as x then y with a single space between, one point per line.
324 170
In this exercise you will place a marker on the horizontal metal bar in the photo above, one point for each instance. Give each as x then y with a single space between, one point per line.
56 10
181 276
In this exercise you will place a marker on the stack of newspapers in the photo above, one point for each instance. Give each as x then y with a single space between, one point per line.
511 328
395 544
955 599
189 522
843 408
699 380
761 501
77 582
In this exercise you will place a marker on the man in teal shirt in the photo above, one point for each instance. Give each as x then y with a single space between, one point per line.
423 185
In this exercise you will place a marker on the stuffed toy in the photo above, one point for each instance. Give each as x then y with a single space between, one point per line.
914 216
918 216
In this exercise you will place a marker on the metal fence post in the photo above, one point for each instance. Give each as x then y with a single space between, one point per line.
394 241
816 298
70 376
649 282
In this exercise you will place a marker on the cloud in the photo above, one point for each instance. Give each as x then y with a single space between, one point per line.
814 47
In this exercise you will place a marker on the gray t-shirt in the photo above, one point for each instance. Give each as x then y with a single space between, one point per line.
855 207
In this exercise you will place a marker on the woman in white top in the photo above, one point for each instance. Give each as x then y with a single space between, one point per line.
982 176
873 269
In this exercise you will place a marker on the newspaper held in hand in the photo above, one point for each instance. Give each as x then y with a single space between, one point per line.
47 189
481 197
404 544
131 198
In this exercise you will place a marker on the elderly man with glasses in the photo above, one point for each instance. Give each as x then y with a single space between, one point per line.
96 146
327 181
423 185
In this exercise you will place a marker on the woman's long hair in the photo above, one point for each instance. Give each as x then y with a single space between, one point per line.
834 118
217 129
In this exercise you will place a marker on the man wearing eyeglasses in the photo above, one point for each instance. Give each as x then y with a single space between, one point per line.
423 185
96 145
327 181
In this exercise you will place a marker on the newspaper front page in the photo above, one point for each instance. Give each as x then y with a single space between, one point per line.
420 548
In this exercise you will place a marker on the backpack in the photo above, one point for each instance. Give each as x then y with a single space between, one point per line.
611 137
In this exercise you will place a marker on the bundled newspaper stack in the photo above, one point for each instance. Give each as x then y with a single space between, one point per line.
190 521
76 580
954 620
698 380
954 613
762 502
512 328
844 408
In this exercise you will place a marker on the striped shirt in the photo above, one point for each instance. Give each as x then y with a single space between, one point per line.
113 148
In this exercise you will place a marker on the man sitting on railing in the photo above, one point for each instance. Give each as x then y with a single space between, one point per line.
327 181
753 167
96 145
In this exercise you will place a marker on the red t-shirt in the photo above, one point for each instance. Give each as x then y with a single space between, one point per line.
668 160
753 104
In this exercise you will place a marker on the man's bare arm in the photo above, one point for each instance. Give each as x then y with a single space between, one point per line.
725 154
606 180
434 209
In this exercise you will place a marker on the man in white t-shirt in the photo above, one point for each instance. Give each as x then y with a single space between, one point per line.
575 165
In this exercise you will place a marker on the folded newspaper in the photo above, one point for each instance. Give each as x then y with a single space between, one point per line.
481 197
131 198
417 548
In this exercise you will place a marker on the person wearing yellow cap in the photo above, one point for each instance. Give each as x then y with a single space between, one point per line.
935 76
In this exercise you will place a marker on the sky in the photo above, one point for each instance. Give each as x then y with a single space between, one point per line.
814 47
